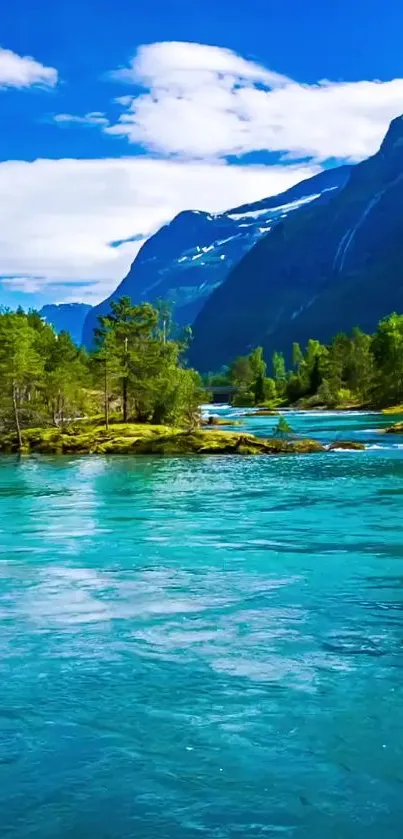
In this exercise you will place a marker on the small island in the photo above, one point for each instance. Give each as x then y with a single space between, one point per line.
141 439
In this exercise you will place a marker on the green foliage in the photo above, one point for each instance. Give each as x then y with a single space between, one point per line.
136 369
350 370
297 357
282 428
279 368
296 388
136 372
243 399
220 379
270 391
257 363
21 368
259 389
142 363
240 373
65 379
344 372
387 349
247 374
327 395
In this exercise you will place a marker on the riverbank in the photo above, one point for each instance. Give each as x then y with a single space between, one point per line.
139 439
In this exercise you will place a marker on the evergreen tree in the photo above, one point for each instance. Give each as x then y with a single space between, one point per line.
282 428
20 364
127 332
297 357
387 348
280 375
241 377
140 356
258 367
65 379
259 389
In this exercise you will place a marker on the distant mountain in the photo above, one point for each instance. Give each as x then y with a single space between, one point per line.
67 317
186 260
319 271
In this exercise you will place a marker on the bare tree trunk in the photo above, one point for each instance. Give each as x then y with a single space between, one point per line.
106 395
16 418
124 394
60 406
125 386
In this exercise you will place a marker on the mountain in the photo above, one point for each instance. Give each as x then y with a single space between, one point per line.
186 260
67 317
319 271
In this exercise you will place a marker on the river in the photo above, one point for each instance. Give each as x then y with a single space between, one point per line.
204 646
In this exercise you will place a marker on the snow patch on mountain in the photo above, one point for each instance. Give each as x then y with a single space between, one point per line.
192 255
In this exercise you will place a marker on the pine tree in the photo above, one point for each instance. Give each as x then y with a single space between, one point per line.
20 364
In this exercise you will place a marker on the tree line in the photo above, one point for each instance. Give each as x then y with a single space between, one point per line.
135 371
355 369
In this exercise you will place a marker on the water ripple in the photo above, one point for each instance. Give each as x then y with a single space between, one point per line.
203 646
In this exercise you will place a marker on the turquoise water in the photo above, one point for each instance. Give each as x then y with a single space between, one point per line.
206 646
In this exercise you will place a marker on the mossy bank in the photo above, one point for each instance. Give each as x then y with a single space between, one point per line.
139 439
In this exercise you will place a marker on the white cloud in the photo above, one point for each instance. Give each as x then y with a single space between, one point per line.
58 217
200 101
23 71
25 284
94 118
186 64
197 104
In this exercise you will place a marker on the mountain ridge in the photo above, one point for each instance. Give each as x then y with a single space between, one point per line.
323 270
67 317
188 258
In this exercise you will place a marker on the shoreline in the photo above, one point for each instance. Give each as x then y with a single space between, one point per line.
135 439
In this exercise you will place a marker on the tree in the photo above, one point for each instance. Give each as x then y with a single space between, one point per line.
315 361
362 365
270 391
240 372
258 368
257 363
106 369
65 378
315 376
259 389
20 364
297 357
129 329
140 357
279 366
280 375
282 428
326 394
241 377
164 310
387 349
296 388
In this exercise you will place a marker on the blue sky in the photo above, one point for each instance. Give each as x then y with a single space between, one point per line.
127 115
